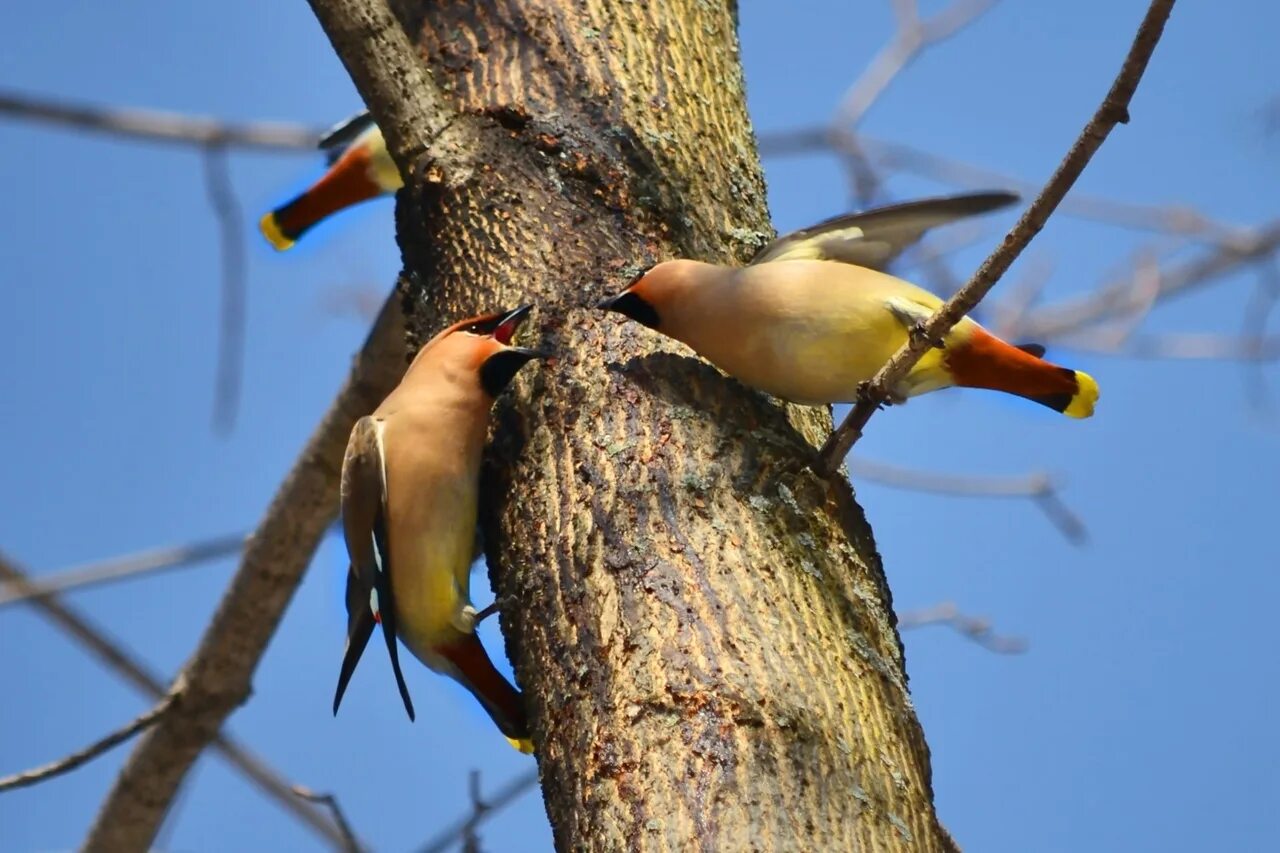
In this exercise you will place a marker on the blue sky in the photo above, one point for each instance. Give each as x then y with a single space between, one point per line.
1140 717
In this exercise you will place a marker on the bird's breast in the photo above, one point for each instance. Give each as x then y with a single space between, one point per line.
431 563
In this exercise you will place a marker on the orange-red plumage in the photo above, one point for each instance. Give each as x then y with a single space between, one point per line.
349 181
482 678
985 361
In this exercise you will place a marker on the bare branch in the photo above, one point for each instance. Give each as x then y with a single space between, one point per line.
1170 219
470 835
1197 346
481 810
84 756
1039 487
361 301
416 118
1113 110
1007 314
155 126
867 152
330 802
131 565
1256 317
975 628
128 668
234 266
1071 316
217 677
913 36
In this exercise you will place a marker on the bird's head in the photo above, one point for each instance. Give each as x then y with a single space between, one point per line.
648 296
483 345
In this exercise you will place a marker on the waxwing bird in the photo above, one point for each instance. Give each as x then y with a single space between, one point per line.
360 168
805 324
410 484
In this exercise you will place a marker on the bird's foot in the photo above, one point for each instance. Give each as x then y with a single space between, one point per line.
866 394
496 607
919 334
466 619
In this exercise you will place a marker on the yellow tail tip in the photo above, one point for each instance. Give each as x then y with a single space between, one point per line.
270 229
525 745
1081 405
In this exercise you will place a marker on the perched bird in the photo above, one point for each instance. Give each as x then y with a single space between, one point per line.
808 321
410 482
360 168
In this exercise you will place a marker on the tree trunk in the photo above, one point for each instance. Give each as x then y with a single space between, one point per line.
700 623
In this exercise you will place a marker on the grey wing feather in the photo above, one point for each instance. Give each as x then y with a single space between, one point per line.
874 238
364 525
338 138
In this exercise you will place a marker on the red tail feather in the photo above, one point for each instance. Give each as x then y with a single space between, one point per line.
346 183
478 674
985 361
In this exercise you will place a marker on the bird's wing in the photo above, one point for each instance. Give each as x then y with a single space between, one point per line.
338 138
874 238
364 524
359 629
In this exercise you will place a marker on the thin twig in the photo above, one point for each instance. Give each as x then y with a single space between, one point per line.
975 628
1037 486
330 802
234 265
1256 318
128 668
1071 316
471 834
118 568
156 126
460 829
1113 110
868 152
1006 315
70 762
912 36
1172 219
1190 346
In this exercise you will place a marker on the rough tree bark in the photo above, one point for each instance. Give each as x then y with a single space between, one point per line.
701 624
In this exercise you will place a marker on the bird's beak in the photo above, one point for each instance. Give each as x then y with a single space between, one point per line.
506 328
629 304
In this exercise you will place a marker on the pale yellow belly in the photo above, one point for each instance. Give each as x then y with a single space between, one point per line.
431 577
783 338
809 363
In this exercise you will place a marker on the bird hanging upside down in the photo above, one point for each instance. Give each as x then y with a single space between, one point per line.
360 168
809 321
410 484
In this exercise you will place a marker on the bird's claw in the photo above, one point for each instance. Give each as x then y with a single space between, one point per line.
921 335
496 607
866 394
467 619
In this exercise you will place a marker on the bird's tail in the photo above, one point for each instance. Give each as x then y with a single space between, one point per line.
349 181
985 361
476 672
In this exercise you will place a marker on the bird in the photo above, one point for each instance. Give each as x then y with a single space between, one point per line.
809 320
409 499
360 168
